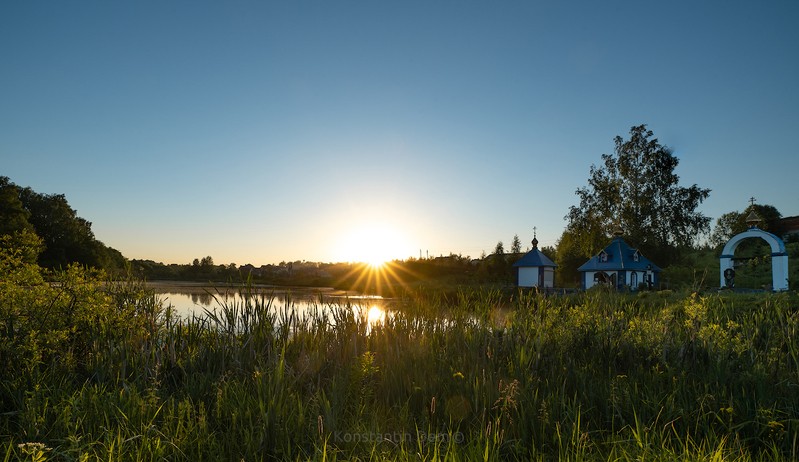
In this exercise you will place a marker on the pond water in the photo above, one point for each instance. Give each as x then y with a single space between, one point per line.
192 299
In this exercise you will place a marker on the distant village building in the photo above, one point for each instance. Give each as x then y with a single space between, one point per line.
789 228
535 269
619 266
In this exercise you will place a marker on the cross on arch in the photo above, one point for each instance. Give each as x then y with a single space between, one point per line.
752 201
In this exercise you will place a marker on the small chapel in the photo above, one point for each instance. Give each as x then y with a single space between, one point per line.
535 269
619 266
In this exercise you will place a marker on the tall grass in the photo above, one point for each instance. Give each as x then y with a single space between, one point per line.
94 370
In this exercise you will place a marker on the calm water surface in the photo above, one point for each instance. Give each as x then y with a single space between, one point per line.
188 300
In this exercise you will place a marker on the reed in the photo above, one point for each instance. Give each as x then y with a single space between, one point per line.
99 370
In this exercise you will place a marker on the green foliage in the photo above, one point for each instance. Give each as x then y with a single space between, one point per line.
637 189
698 269
66 237
574 248
102 370
13 212
732 223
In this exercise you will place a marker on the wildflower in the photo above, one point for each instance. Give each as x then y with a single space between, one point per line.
35 450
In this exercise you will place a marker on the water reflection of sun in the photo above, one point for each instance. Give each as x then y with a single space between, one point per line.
375 315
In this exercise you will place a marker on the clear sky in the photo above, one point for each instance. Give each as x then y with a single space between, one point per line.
256 131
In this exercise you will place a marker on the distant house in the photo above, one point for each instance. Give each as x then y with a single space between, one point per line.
535 269
620 266
788 227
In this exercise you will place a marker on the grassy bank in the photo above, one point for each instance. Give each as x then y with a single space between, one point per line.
98 371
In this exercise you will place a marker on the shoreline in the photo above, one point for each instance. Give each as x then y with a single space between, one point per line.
167 286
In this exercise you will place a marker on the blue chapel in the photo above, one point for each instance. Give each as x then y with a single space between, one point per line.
619 266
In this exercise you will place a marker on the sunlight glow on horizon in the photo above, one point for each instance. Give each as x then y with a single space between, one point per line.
372 243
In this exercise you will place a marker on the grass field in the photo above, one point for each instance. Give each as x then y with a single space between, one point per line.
98 371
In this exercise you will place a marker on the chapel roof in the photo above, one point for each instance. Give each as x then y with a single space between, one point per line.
534 258
619 256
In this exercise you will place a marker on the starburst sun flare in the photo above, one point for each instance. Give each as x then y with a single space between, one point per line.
372 243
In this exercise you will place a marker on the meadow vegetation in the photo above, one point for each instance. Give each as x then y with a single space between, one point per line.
99 369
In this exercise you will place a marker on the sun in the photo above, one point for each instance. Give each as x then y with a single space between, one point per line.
373 249
372 243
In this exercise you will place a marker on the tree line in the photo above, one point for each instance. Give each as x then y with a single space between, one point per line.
64 237
634 190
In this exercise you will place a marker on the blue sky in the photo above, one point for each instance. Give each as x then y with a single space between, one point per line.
256 132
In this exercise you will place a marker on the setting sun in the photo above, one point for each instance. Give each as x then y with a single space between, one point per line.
371 243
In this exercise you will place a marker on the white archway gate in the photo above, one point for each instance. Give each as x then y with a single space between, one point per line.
779 257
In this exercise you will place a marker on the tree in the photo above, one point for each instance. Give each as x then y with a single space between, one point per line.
732 223
724 229
18 254
573 249
13 215
516 244
637 190
67 237
499 249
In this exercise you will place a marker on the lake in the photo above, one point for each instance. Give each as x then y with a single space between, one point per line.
189 299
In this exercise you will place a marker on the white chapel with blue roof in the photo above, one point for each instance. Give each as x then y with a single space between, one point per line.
535 269
619 266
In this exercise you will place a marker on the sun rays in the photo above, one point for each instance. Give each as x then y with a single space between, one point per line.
387 279
372 243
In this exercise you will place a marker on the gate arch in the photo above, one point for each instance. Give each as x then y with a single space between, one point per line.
779 257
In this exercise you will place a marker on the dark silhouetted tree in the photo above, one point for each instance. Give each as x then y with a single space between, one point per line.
516 244
13 215
67 237
636 189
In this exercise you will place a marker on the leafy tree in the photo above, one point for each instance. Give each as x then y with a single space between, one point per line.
636 189
23 246
109 258
732 223
499 249
569 256
67 237
13 215
724 229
